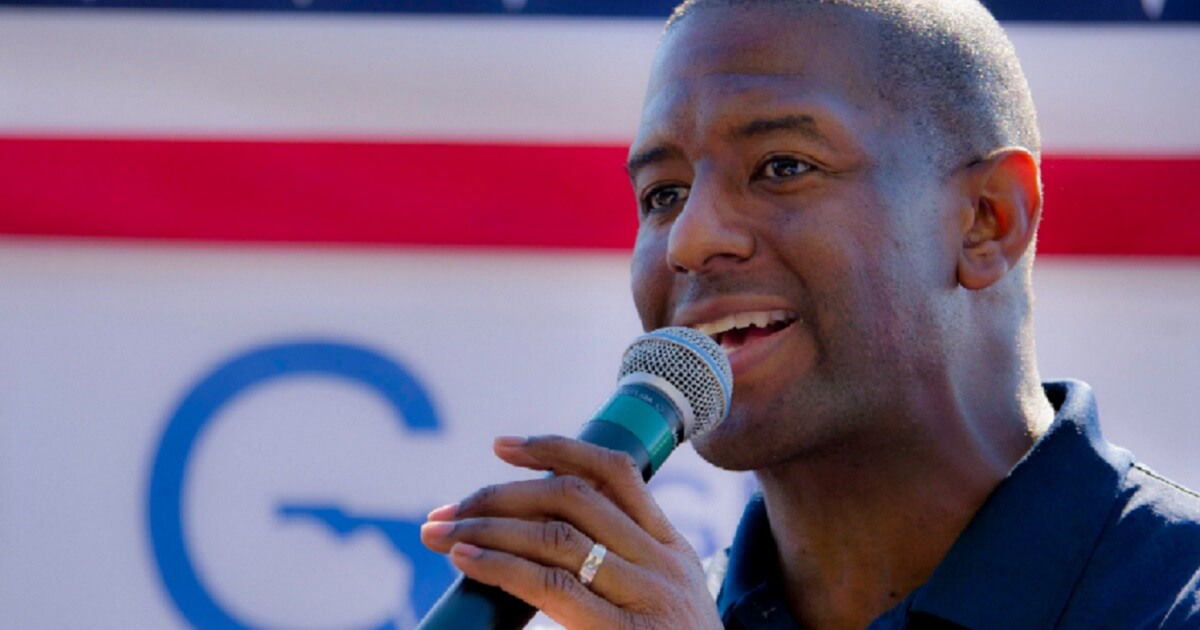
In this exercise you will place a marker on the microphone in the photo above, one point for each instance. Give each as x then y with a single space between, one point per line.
674 383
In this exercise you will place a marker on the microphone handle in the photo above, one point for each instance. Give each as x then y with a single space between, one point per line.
635 417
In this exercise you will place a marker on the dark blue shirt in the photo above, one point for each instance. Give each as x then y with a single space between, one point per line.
1079 535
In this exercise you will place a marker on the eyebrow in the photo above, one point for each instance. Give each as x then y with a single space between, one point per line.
645 158
803 124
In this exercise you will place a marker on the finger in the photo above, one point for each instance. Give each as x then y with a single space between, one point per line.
613 473
552 544
565 498
507 448
553 590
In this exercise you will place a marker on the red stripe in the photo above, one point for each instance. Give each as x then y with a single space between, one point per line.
1121 206
492 195
327 192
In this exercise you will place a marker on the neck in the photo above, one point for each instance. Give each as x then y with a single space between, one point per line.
866 522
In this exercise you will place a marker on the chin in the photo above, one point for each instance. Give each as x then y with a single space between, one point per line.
748 441
735 445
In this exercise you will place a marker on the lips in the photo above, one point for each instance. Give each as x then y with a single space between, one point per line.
739 329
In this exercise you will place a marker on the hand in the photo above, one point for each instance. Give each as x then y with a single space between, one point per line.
530 539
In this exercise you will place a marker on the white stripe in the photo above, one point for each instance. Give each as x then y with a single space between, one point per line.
1114 88
1128 327
341 76
1125 89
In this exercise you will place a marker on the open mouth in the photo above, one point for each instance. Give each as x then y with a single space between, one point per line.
734 331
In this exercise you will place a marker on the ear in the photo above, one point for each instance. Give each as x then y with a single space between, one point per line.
1005 191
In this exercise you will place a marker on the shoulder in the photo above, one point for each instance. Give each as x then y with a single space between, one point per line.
1145 571
1157 524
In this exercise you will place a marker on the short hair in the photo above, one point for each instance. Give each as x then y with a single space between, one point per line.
947 63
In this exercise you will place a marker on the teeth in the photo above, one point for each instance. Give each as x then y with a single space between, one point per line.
761 319
715 328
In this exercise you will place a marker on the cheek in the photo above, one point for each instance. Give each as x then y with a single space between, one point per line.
869 302
651 281
847 269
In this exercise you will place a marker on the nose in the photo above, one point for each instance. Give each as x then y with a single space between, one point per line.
708 232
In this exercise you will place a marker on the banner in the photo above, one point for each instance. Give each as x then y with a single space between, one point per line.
273 275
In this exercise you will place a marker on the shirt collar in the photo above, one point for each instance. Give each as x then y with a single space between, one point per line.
1015 564
1030 541
752 592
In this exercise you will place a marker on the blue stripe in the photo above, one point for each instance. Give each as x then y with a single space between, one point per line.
1008 10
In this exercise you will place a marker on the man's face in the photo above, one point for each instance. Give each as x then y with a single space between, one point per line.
790 212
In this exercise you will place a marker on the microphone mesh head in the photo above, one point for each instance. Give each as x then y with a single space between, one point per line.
691 362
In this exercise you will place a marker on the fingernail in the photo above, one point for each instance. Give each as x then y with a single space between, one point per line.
511 440
444 513
465 550
438 529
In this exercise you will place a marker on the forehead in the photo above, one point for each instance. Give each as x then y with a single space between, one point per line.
720 65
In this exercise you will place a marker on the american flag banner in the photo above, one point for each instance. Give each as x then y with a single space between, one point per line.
273 274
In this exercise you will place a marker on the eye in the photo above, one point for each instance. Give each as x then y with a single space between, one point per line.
661 197
782 167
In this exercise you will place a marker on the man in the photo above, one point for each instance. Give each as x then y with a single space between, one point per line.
866 173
